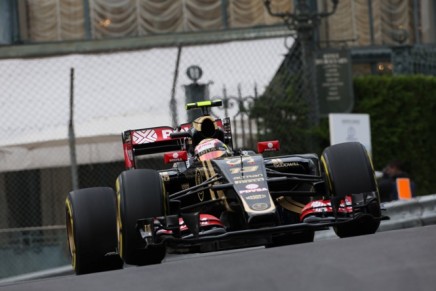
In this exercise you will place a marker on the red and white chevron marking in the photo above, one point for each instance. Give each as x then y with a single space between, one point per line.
144 136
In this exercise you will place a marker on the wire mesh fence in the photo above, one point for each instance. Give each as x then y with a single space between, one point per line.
110 93
268 87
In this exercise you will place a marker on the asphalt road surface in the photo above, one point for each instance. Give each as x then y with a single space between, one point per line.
393 260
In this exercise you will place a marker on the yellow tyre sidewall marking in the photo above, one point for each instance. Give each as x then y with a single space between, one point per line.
119 223
70 233
324 164
373 171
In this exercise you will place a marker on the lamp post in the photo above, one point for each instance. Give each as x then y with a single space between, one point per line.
304 21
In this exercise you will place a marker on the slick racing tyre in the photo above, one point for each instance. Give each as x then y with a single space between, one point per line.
92 231
348 170
139 195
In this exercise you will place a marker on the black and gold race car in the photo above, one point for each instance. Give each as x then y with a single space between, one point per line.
215 197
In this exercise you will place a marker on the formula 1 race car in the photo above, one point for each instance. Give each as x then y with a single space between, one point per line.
214 197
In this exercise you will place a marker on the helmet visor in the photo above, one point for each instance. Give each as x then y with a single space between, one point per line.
211 155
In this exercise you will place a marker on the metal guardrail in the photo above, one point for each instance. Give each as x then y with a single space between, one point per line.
418 211
415 212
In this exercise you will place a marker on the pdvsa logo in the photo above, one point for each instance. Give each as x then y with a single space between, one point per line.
251 186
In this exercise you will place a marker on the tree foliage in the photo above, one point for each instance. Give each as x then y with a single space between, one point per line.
403 123
282 115
402 113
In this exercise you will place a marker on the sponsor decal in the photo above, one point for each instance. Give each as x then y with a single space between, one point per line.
207 146
175 157
245 181
237 161
259 206
185 127
248 179
253 191
245 169
166 133
130 154
316 204
144 136
249 176
267 146
151 135
251 186
255 197
278 163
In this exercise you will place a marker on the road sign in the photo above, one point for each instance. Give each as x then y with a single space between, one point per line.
350 127
335 82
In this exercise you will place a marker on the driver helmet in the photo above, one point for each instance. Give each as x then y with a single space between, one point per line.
211 148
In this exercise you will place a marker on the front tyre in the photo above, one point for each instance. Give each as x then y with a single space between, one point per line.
139 195
349 170
91 230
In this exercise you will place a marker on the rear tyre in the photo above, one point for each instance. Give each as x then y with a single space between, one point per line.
92 231
348 170
139 195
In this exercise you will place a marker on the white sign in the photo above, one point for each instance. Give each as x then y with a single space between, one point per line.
350 127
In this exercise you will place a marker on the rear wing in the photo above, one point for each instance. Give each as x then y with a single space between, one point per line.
146 141
138 142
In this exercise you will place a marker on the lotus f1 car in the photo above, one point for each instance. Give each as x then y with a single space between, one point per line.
215 197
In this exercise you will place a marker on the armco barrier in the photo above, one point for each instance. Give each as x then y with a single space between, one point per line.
415 212
418 211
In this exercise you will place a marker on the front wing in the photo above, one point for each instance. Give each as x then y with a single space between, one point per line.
194 228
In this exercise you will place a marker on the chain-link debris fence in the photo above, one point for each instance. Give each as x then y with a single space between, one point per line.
259 81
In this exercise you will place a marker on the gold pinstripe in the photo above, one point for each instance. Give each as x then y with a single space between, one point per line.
207 166
290 204
220 193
